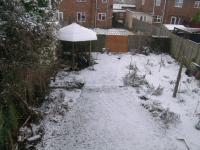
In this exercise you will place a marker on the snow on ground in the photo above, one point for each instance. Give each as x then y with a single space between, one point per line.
107 115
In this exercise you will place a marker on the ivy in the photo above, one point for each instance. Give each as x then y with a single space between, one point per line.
26 58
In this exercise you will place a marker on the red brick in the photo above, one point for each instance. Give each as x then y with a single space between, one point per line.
71 7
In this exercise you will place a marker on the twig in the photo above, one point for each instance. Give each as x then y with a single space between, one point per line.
196 107
183 140
29 117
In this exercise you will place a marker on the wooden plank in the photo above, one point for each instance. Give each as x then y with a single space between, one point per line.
116 43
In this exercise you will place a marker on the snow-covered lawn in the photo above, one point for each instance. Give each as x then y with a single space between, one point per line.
107 115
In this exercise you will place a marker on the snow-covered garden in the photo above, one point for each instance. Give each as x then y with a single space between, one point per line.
124 102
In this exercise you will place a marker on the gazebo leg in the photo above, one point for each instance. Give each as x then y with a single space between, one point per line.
90 54
73 59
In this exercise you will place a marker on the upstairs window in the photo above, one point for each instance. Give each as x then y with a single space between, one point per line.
158 2
197 4
179 3
104 1
81 17
143 2
101 16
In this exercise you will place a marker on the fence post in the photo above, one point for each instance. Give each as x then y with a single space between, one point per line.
178 79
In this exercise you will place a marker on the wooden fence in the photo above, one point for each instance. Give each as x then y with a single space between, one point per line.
179 47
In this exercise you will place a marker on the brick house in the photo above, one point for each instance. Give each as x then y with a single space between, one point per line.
169 11
89 13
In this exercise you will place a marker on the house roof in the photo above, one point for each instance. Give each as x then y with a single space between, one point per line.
122 6
189 30
172 26
75 33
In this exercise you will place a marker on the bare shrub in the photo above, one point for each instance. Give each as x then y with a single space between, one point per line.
158 111
134 79
158 91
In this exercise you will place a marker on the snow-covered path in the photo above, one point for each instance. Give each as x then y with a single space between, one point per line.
105 115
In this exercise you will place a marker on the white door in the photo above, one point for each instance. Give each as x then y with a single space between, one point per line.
179 20
173 20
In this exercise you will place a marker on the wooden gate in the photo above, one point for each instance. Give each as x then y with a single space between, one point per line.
117 43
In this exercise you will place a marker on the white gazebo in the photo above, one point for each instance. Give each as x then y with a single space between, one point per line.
76 33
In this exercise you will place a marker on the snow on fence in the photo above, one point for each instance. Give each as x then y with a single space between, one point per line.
178 46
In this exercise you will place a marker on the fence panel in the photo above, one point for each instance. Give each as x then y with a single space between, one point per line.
138 41
178 46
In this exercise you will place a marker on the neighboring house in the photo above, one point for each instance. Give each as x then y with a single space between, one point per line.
137 15
88 13
169 11
119 12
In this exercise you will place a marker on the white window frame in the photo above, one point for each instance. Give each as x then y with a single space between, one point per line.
173 17
81 14
197 4
59 15
80 1
157 19
158 2
104 1
143 2
100 16
179 3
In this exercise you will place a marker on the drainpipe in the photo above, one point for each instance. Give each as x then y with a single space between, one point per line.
107 14
164 11
153 10
95 19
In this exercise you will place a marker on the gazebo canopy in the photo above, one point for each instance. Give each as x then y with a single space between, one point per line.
76 33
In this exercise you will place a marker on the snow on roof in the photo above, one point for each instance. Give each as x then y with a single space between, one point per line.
139 13
76 33
172 26
113 31
190 30
120 6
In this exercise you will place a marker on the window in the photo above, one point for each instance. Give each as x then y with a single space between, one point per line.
173 20
143 18
104 1
158 2
143 2
80 0
196 4
178 3
157 19
102 16
81 16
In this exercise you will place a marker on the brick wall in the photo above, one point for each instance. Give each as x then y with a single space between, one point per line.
185 13
71 7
